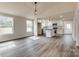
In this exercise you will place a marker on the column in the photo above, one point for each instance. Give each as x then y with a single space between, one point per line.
35 26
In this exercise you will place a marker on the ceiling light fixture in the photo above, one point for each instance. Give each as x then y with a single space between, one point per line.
60 16
35 9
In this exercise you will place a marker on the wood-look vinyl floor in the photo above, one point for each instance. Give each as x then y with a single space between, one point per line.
62 46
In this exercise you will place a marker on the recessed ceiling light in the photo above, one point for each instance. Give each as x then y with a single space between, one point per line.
61 16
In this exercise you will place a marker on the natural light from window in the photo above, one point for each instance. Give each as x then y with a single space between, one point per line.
29 25
68 26
6 25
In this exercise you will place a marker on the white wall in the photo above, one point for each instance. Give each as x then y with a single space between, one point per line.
74 28
77 28
19 29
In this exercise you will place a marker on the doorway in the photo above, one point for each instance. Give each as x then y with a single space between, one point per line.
67 27
39 29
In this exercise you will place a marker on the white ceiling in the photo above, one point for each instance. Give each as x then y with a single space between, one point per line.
45 9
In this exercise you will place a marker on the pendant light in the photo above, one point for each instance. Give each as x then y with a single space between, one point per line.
35 11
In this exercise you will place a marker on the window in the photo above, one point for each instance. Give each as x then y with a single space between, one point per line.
68 26
6 25
29 24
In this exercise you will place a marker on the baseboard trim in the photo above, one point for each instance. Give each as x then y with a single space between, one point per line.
15 39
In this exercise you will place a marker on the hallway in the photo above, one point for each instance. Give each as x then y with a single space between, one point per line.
42 46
